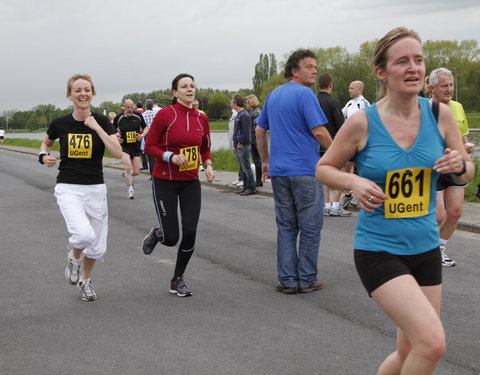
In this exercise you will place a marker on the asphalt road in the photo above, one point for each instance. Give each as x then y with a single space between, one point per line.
235 323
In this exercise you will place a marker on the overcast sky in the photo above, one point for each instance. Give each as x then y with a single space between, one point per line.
139 46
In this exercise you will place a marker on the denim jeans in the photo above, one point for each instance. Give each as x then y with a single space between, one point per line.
243 154
299 215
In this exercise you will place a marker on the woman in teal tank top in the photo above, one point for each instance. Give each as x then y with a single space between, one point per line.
400 150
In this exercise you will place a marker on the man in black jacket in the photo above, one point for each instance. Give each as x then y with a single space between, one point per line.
333 112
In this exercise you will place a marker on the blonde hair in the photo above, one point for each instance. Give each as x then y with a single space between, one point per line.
381 49
384 44
253 100
73 78
112 115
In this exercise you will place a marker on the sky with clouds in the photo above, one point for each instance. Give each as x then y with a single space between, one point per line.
139 46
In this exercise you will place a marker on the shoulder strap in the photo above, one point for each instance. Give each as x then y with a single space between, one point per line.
435 109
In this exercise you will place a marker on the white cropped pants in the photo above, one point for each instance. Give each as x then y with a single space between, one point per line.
85 210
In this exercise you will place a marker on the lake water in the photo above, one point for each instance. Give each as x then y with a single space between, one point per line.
219 138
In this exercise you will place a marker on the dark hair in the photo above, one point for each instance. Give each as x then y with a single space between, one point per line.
178 78
139 104
324 80
238 100
293 61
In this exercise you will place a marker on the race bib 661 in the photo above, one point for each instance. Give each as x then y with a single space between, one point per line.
80 146
408 192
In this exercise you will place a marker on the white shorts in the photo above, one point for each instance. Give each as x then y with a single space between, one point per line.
85 210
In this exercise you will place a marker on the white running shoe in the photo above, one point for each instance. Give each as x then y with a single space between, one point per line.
326 211
346 199
72 271
240 184
235 182
131 194
88 294
446 260
339 212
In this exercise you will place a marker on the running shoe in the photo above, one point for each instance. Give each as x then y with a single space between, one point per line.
72 271
88 294
151 239
131 194
339 211
354 202
178 287
346 199
446 260
326 211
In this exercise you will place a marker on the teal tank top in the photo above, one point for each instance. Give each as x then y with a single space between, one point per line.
406 223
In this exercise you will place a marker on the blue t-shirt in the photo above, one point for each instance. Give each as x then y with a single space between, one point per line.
290 112
412 226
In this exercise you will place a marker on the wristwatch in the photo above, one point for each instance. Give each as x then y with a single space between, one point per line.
41 154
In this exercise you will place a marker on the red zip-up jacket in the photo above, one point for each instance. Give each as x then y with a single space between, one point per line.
175 127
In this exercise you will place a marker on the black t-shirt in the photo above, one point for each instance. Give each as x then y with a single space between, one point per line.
129 127
81 149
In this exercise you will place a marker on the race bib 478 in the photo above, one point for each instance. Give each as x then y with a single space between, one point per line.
80 146
408 191
192 156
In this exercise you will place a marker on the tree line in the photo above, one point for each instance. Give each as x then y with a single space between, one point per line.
462 58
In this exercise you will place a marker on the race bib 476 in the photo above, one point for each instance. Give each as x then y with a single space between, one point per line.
408 192
80 146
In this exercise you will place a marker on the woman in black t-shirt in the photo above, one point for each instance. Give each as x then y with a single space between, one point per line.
80 190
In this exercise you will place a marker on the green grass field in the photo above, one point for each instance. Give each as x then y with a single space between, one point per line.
219 125
473 120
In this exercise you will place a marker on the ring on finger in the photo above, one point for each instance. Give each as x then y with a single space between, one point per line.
370 199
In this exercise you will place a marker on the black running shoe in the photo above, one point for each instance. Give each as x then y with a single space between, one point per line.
178 287
151 240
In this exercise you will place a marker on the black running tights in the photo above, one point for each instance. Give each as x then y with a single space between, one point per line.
166 196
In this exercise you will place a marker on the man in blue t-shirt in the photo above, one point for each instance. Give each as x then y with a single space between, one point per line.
295 121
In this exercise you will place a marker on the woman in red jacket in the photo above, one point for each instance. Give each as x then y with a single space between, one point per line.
178 137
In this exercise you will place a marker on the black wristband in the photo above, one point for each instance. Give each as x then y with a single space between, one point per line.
41 155
464 170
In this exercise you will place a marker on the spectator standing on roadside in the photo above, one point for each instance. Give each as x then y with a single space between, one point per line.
2 135
333 112
148 115
358 102
295 121
242 143
231 125
252 104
